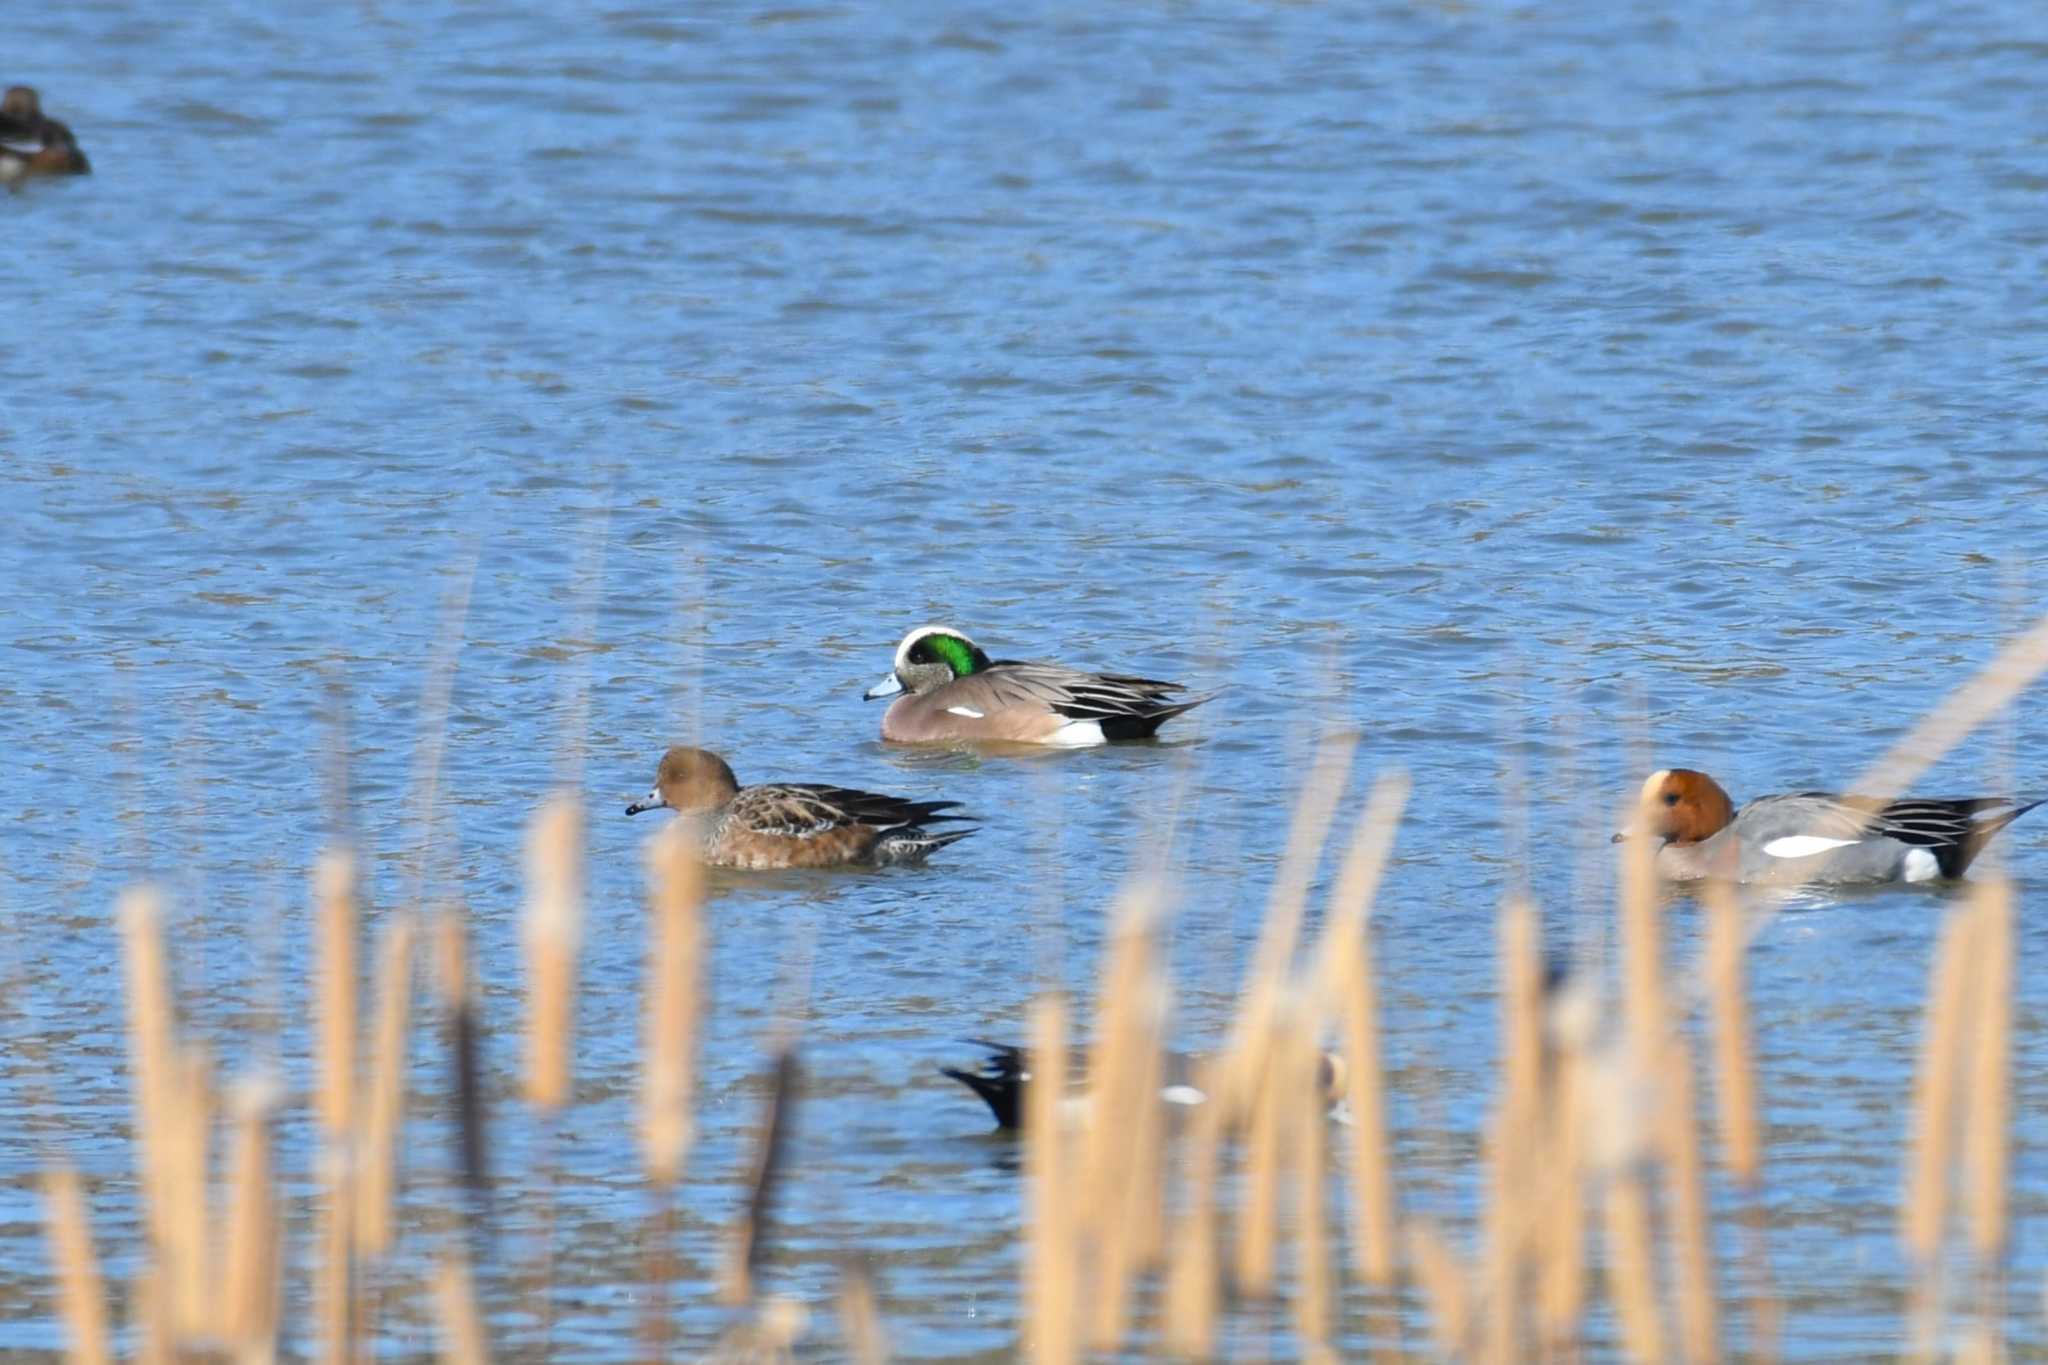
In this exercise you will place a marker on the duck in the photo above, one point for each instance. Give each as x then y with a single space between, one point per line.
53 151
1812 836
794 824
948 689
1005 1071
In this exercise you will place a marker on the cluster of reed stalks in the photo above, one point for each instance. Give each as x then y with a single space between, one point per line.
1254 1223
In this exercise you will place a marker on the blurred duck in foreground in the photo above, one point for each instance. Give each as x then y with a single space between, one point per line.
32 143
1005 1072
791 824
1812 836
946 688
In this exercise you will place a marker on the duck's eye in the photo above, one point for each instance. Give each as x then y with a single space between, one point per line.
1670 798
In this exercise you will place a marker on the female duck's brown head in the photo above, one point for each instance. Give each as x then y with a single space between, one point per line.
1683 806
20 105
689 781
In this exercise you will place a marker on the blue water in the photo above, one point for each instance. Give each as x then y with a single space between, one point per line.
1500 382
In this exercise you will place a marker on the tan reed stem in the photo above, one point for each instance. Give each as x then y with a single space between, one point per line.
334 896
81 1293
463 1339
1345 968
1734 1047
771 1148
1699 1328
1924 1218
1446 1288
1631 1264
188 1257
1518 1131
254 1242
1316 1293
554 936
675 1004
1737 1105
2009 673
1119 1159
333 1296
1563 1234
1051 1287
1194 1268
1265 1166
152 1061
1280 933
860 1320
384 1114
1987 1119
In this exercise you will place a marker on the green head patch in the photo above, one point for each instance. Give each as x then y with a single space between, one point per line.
961 656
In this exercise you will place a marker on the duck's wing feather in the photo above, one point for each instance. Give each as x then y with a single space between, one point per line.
1924 822
1074 692
802 810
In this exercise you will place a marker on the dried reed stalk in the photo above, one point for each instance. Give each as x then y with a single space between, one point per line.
1631 1264
1194 1269
1119 1160
1051 1286
81 1293
554 934
1518 1131
1562 1258
1643 1007
463 1339
333 1292
334 897
1734 1049
1699 1329
675 1004
150 1320
1345 970
1316 1293
1936 1094
189 1272
771 1149
1446 1287
1987 1118
1265 1165
250 1294
458 1004
1248 1047
860 1321
2009 673
152 1058
384 1112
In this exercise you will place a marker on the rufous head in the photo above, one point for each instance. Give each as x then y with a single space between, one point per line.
689 781
1683 806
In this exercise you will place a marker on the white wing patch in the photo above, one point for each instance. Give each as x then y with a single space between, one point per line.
1803 845
966 711
1183 1094
1076 733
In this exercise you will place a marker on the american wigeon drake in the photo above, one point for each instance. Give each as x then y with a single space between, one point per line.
793 824
946 688
53 152
1812 836
1005 1072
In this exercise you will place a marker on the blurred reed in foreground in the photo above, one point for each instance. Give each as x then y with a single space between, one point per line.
1250 1225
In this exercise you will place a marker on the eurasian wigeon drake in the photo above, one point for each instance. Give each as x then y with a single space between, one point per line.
1005 1072
946 688
54 151
1812 836
793 824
